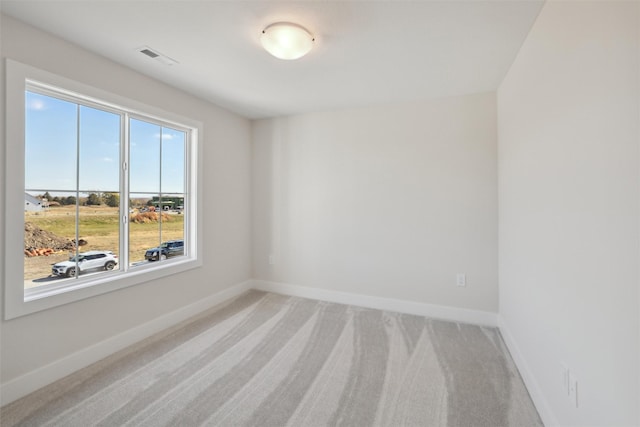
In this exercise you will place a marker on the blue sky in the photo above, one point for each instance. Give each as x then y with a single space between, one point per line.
51 150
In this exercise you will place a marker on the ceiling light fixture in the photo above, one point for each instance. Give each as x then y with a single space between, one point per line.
285 40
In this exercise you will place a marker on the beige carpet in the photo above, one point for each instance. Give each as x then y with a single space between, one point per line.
270 360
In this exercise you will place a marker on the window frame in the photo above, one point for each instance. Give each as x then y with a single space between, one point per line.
18 301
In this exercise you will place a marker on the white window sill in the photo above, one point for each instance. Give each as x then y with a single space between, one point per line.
49 296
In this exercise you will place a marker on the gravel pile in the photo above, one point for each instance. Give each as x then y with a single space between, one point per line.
37 238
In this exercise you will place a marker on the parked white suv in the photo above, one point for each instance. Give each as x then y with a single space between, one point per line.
92 260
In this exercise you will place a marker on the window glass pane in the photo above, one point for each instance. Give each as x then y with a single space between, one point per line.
99 184
152 226
144 157
50 143
173 146
156 226
51 253
144 226
99 151
51 137
49 234
70 198
172 224
98 232
144 185
173 188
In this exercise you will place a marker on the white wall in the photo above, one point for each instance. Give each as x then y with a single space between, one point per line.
569 210
388 201
34 341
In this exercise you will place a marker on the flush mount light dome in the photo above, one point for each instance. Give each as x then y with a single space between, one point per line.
285 40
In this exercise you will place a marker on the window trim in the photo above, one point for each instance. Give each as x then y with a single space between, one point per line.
17 302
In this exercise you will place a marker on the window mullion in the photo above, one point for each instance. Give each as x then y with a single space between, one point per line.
160 188
187 206
124 191
77 231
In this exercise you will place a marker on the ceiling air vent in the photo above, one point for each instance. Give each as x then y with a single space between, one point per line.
146 50
149 53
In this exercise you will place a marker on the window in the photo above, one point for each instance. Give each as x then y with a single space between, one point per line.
108 191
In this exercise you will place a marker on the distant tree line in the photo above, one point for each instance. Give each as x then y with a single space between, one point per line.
93 199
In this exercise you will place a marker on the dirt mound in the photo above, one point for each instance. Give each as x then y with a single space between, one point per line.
37 238
147 217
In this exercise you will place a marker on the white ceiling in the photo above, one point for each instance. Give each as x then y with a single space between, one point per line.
367 52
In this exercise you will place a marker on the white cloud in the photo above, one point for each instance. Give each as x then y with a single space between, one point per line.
107 159
37 104
166 136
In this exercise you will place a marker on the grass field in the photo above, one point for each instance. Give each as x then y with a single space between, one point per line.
99 226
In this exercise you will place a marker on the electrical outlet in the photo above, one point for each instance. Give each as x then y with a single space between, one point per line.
461 279
272 259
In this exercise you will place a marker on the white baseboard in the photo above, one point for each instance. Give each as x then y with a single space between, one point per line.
463 315
539 400
32 381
